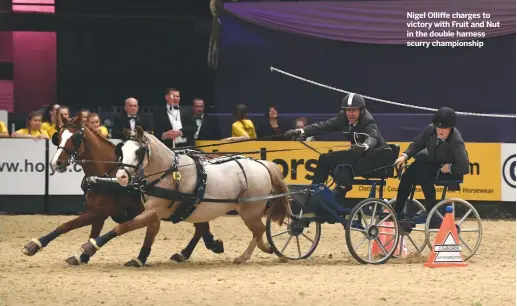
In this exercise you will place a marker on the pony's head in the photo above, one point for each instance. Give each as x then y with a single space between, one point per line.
69 143
134 153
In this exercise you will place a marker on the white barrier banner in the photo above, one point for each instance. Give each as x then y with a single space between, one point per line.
69 182
22 167
508 172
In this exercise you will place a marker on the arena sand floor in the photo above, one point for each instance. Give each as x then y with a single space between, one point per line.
329 277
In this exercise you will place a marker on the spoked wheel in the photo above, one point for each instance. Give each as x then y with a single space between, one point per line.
372 231
468 225
296 238
412 240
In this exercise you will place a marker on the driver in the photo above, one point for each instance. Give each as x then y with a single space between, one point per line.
439 152
369 150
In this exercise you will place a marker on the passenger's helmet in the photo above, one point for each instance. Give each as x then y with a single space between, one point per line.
353 100
445 117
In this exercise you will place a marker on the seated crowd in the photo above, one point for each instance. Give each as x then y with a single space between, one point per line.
43 124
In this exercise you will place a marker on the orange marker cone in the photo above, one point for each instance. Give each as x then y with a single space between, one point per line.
388 227
446 251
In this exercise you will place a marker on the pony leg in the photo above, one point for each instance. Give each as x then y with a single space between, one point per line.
86 218
186 252
82 257
150 235
256 226
143 219
215 246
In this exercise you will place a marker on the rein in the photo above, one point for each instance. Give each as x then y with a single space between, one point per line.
84 161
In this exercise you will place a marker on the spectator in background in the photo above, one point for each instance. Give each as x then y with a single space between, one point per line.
94 124
84 113
300 124
50 119
174 125
129 120
207 126
33 128
3 130
62 112
242 128
272 125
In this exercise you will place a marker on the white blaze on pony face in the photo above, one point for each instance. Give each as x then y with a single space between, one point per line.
56 164
129 157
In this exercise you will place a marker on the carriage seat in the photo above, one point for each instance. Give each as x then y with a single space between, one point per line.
448 184
379 175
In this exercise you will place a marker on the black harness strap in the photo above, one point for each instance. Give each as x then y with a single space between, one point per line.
245 178
189 201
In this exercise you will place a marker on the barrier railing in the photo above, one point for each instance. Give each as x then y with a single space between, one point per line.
25 170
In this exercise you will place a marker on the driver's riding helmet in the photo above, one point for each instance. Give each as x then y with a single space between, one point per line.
445 117
353 100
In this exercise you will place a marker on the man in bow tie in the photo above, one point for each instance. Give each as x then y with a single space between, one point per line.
207 126
174 126
129 120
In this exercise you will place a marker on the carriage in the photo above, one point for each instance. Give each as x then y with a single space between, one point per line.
372 220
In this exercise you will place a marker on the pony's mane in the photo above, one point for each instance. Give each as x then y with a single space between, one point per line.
153 139
102 139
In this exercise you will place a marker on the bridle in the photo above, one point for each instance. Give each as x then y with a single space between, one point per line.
142 151
77 140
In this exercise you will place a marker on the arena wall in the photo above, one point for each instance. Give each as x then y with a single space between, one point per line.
28 184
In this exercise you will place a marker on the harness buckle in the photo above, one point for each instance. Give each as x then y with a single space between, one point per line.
71 160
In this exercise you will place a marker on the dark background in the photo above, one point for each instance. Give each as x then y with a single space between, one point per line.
466 79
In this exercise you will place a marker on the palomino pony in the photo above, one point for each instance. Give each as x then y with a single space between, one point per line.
106 199
240 184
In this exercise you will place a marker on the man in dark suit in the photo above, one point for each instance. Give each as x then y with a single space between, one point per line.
174 125
129 120
438 151
369 150
207 126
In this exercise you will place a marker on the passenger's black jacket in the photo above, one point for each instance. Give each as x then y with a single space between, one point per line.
366 124
451 151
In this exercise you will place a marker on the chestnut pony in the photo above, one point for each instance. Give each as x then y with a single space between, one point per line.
106 199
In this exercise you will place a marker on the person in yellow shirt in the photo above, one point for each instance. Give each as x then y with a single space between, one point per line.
50 119
242 128
3 130
33 129
94 124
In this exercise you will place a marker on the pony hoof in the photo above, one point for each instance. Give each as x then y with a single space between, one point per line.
73 261
31 248
218 247
89 248
179 257
238 261
133 263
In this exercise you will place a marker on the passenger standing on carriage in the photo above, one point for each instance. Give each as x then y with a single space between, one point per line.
368 152
438 151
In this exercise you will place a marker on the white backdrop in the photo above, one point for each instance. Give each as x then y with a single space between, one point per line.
22 167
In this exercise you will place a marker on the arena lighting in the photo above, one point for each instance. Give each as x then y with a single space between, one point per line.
38 6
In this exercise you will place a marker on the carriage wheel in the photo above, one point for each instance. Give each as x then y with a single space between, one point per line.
296 238
468 225
413 239
372 231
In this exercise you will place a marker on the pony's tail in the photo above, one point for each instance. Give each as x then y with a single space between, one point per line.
279 206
